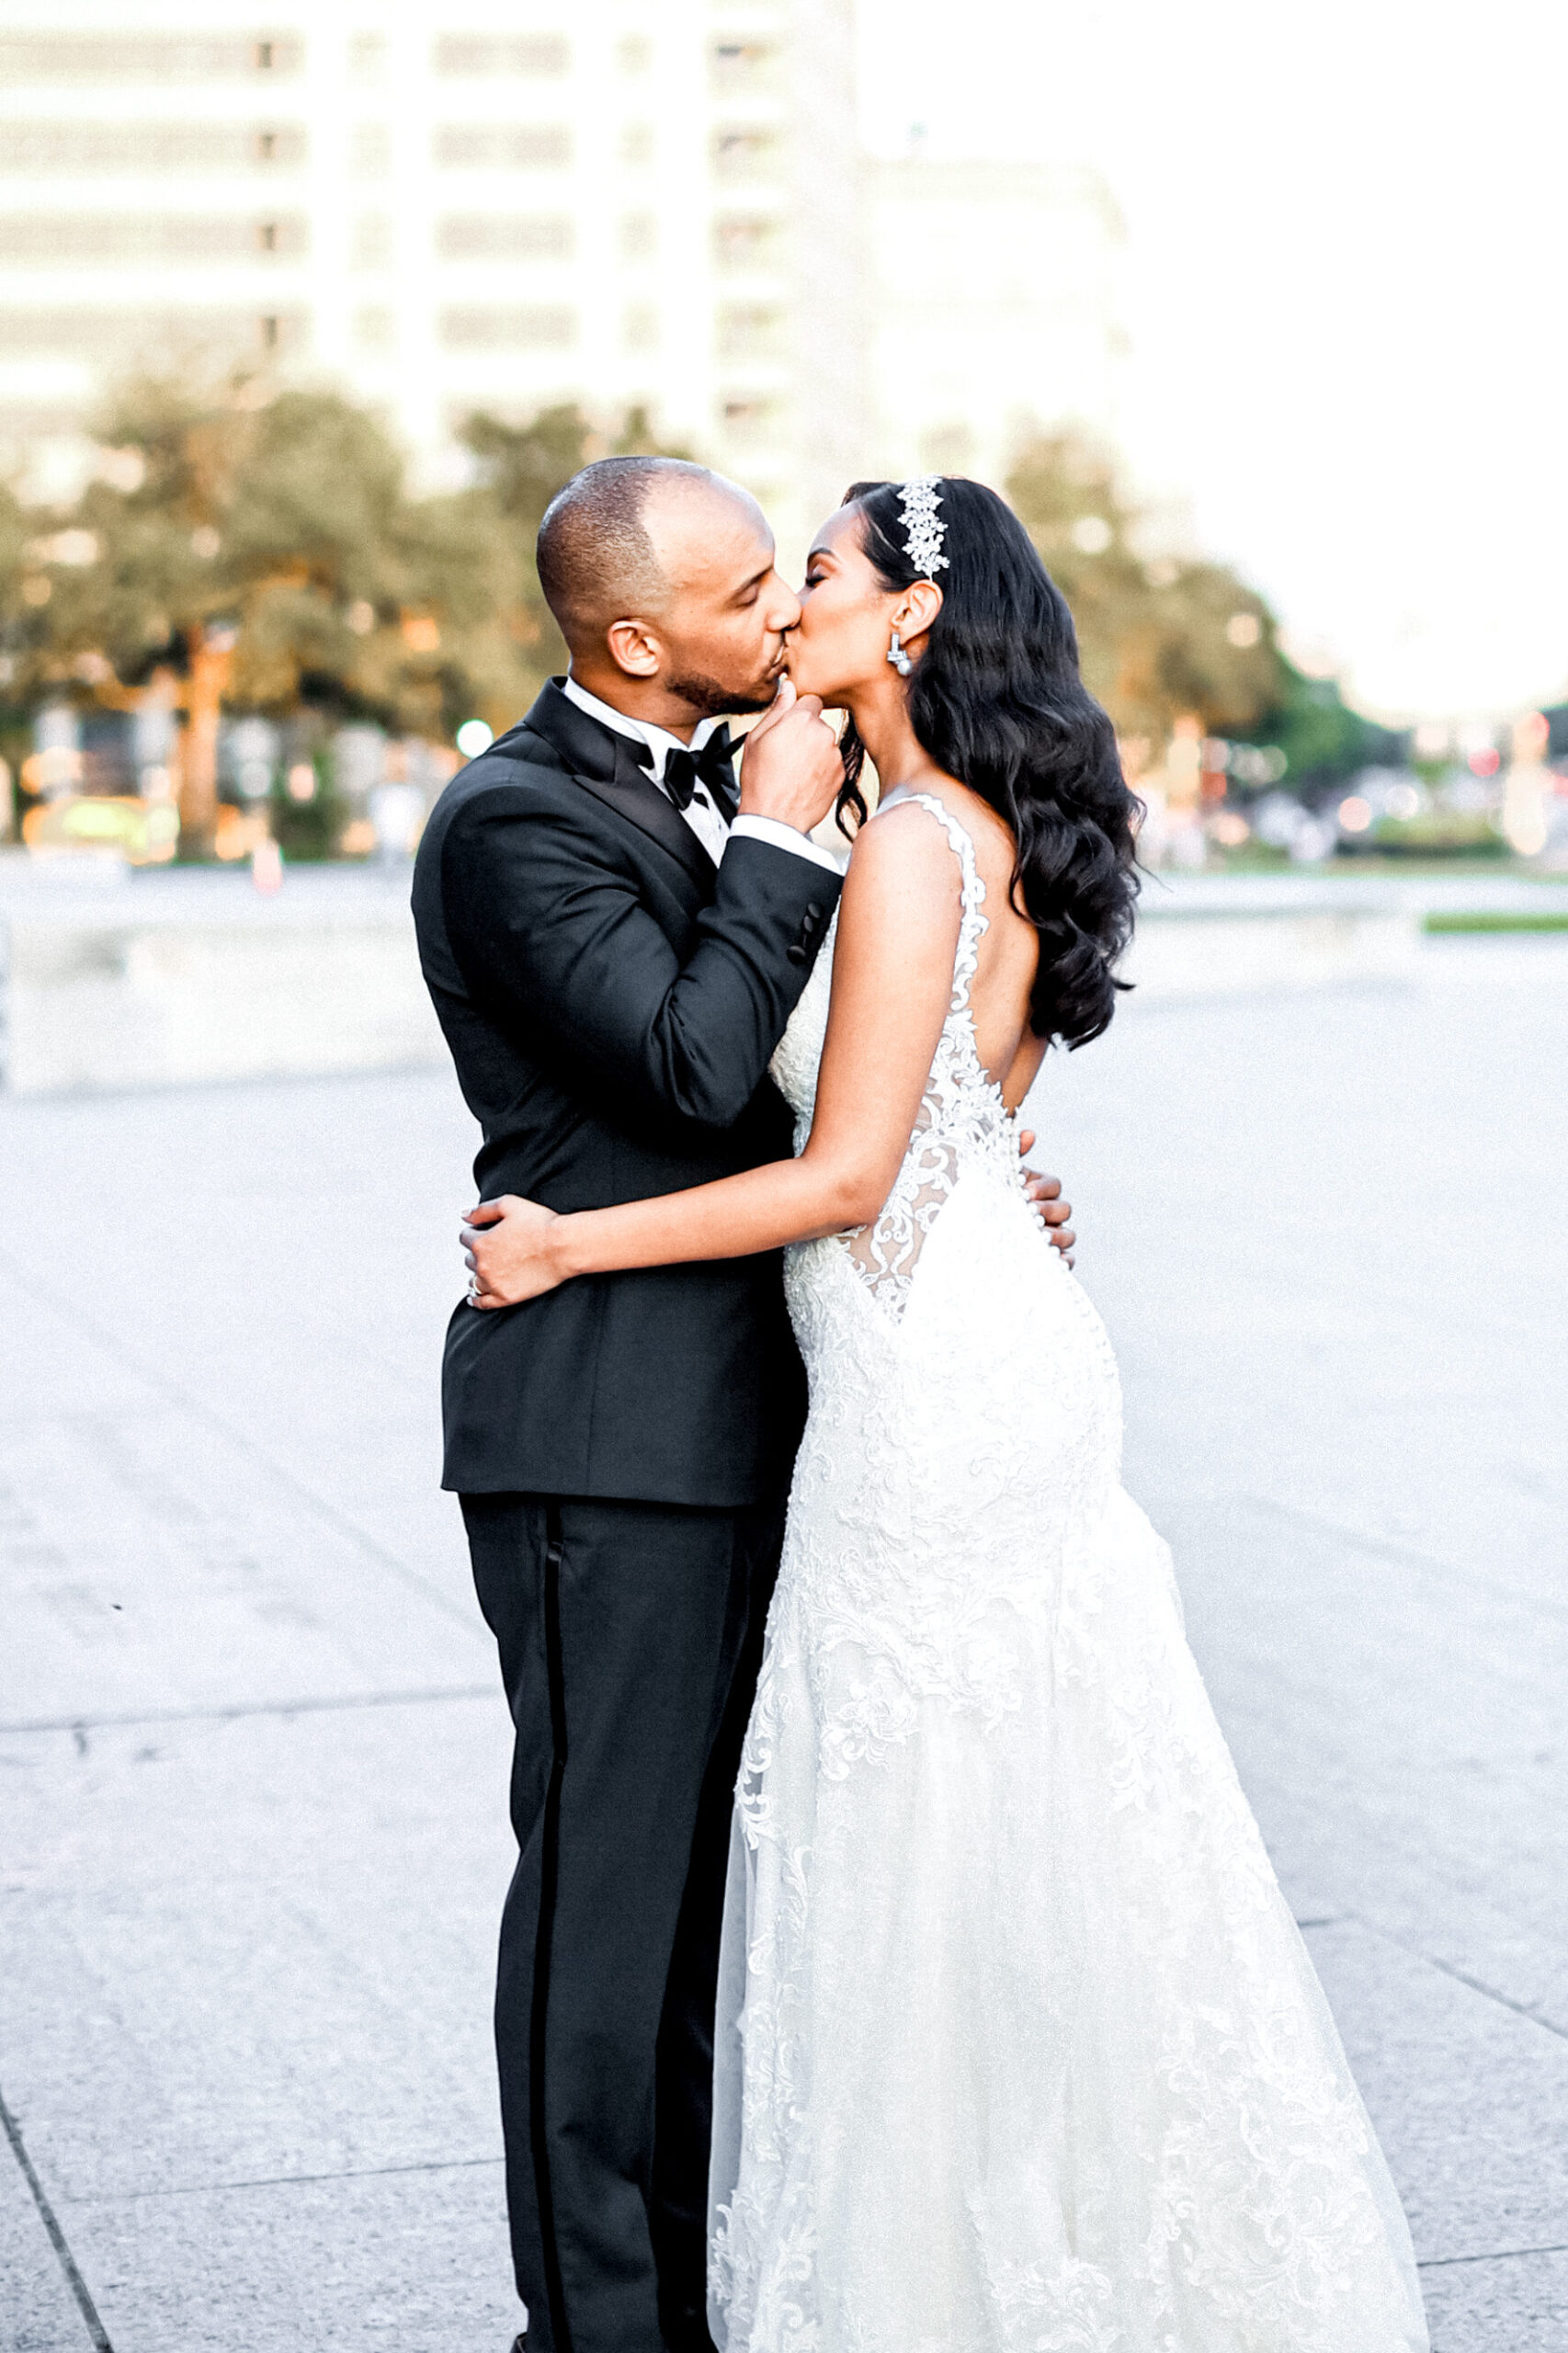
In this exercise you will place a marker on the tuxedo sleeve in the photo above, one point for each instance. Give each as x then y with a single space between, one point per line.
556 933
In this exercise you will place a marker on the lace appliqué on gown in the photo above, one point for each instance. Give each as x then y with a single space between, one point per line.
1018 2048
958 1121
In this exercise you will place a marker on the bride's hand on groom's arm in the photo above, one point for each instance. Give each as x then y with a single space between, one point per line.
512 1249
1045 1192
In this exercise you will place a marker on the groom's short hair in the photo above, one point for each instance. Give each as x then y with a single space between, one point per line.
596 562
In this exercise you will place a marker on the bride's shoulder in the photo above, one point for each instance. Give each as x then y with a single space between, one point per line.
902 867
941 810
900 829
941 838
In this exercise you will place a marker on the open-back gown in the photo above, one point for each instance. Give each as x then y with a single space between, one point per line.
1019 2050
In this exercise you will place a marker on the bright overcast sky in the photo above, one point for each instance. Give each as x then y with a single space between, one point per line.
1346 291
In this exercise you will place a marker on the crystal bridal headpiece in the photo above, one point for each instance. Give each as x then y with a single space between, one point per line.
924 529
924 532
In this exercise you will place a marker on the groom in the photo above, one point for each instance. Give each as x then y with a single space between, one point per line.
615 938
614 952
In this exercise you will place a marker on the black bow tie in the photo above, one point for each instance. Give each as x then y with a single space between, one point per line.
684 772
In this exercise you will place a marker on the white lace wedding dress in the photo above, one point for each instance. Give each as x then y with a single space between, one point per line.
1019 2050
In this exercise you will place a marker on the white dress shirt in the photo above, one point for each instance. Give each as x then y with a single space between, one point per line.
706 822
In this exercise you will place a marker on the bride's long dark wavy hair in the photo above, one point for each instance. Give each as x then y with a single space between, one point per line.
996 700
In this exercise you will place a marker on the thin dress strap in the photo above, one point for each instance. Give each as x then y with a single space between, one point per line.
972 922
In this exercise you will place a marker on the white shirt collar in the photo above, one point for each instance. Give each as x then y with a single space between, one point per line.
659 739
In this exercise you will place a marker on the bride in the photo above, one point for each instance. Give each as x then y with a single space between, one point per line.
1019 2050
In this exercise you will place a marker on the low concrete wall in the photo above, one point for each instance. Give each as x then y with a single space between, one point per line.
1205 953
105 996
173 979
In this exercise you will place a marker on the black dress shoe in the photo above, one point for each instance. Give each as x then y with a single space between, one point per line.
522 2344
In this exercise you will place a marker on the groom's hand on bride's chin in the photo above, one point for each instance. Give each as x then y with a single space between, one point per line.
1045 1197
790 770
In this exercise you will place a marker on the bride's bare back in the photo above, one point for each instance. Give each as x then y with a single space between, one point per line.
1009 948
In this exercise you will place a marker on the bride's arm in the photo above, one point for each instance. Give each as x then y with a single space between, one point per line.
892 974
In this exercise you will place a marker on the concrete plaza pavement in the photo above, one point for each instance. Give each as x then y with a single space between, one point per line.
254 1753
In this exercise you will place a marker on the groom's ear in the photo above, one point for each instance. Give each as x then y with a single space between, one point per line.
634 649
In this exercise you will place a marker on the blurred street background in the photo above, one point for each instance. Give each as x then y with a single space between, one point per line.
302 322
303 319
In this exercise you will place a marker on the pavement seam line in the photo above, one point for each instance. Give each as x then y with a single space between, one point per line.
240 1710
283 2181
57 2240
1502 2254
110 1342
1461 1977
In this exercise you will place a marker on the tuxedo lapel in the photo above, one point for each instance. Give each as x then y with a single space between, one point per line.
604 764
631 790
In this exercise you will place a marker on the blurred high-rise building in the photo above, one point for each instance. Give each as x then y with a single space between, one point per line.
503 204
993 308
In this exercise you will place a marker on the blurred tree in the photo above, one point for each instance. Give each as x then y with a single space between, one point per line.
267 551
16 530
17 626
1158 638
264 547
1162 638
1324 741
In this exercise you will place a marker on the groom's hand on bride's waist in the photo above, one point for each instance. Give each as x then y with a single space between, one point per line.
511 1245
1045 1193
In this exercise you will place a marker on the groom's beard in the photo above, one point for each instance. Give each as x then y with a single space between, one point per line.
711 700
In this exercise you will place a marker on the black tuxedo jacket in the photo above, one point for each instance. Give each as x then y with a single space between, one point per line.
611 1001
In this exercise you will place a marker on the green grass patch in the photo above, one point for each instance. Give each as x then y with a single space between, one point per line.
1478 922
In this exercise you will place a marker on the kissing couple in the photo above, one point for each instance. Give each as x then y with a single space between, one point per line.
893 1963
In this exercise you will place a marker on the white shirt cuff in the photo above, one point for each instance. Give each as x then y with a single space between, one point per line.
782 837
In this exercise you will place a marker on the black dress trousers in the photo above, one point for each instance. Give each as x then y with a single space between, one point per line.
630 1637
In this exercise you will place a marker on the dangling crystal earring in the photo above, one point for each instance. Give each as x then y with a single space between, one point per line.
899 658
